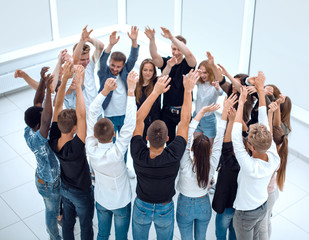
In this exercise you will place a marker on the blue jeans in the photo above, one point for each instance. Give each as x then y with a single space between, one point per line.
162 214
80 203
118 123
193 212
51 196
224 221
121 221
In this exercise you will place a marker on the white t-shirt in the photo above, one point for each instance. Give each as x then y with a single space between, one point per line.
90 91
118 103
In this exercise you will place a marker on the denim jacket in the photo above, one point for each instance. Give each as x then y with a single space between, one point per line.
105 73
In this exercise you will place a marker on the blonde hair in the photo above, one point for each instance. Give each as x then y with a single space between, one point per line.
259 137
86 48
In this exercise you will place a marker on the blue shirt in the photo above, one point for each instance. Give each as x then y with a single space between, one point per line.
48 167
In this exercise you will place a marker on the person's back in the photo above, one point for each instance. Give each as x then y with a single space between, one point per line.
112 185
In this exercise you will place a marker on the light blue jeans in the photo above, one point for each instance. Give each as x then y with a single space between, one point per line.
162 214
193 213
51 196
118 122
224 221
121 221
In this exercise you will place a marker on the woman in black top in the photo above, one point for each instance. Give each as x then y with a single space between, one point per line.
147 79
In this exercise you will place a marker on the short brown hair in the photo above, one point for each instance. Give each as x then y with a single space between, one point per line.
67 120
157 134
86 48
104 130
118 56
181 38
259 137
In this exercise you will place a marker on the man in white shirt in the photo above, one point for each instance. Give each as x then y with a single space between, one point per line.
112 186
256 170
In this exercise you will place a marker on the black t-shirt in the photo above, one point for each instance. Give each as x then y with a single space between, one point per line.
156 177
73 161
174 96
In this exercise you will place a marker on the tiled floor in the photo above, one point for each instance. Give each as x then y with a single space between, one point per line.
22 208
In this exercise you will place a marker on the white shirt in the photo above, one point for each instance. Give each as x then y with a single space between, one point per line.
90 91
112 185
206 95
254 174
117 105
187 182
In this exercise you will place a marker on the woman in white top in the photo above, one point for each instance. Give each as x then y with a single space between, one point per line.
256 170
193 206
208 91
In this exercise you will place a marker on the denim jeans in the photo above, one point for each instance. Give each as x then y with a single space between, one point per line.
247 223
80 203
118 122
51 196
193 212
121 221
224 221
162 214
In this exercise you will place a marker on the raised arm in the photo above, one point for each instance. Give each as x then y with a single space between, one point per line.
211 108
80 104
40 92
160 87
182 47
113 39
241 103
31 82
228 133
85 37
216 71
56 72
185 116
68 71
133 36
156 57
272 108
236 84
170 63
47 110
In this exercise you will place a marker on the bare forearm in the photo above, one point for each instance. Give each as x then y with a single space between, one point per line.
228 132
277 117
186 107
262 101
156 58
61 94
239 112
78 52
166 70
109 47
185 50
80 104
146 106
56 73
46 115
39 94
31 82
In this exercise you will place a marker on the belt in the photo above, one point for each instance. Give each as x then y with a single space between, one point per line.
174 110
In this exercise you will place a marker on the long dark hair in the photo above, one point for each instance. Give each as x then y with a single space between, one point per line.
281 140
201 164
139 85
285 109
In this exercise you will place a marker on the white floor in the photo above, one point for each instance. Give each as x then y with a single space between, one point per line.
22 208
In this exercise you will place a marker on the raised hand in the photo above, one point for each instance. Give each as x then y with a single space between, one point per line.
113 39
281 99
272 107
269 90
43 71
161 85
48 82
251 80
132 79
259 81
172 62
229 103
190 80
150 33
62 56
68 70
19 73
79 75
110 85
231 114
134 33
222 70
85 34
243 94
211 60
216 85
166 33
211 108
251 89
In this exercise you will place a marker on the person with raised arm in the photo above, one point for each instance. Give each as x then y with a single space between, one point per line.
47 173
195 174
112 186
114 105
156 167
81 57
256 170
67 140
184 61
